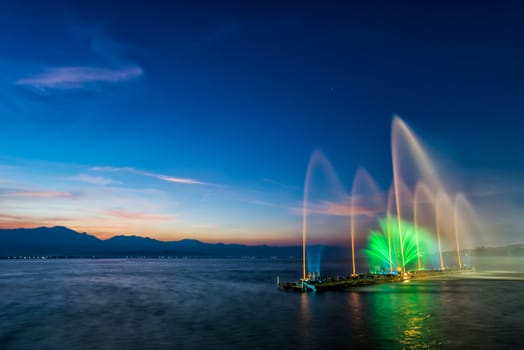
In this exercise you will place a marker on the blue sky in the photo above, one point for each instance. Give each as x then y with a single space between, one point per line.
102 102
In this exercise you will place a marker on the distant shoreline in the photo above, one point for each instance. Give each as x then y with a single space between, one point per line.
152 257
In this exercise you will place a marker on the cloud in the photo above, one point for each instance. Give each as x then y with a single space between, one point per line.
95 180
42 194
25 221
282 185
177 179
336 209
112 168
138 216
78 77
162 177
20 224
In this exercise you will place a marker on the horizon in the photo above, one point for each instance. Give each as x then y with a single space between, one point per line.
121 125
298 244
345 245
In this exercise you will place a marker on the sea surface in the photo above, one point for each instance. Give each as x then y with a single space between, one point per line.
235 304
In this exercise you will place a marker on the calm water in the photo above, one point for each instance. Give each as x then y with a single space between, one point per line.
204 303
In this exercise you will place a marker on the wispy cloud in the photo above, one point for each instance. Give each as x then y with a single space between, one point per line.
329 208
42 194
78 77
25 221
94 180
282 185
181 180
138 216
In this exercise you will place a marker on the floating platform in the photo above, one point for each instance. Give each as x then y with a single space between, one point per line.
337 283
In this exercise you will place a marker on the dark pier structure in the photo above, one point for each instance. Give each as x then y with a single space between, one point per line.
317 284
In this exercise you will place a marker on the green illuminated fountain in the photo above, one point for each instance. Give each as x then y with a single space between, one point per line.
384 251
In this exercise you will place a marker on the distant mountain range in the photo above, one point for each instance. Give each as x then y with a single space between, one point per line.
61 241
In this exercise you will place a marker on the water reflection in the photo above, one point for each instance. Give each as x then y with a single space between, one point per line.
359 320
306 328
403 314
356 308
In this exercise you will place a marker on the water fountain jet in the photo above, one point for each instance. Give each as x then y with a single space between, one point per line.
365 196
423 196
317 160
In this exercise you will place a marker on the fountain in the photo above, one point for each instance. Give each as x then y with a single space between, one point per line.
466 225
405 228
329 202
423 210
384 246
365 196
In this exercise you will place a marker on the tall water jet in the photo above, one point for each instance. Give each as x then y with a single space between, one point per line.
405 206
420 168
366 202
444 215
396 184
390 206
455 221
466 223
325 207
437 217
423 199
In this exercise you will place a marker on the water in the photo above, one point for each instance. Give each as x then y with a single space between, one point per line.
233 303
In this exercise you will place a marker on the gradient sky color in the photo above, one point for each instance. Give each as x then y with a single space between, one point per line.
197 119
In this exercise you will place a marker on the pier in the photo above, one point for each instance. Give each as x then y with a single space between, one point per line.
316 284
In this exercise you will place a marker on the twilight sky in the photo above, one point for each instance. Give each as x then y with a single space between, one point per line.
197 119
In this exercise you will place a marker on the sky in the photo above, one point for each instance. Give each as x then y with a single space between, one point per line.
198 119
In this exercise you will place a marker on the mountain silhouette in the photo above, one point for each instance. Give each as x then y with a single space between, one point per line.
61 241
